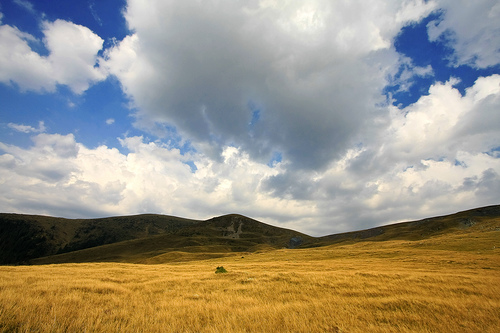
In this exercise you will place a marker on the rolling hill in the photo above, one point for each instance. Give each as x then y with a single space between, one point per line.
421 229
153 238
24 237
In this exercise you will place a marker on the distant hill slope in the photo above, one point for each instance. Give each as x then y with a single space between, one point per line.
216 237
24 237
416 230
157 238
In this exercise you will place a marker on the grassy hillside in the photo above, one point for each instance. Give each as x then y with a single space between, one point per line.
160 239
24 237
418 230
217 237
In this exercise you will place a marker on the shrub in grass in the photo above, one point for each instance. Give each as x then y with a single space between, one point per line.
220 269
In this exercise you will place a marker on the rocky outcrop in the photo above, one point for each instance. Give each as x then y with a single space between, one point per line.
231 232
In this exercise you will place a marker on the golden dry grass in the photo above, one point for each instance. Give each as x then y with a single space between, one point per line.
396 286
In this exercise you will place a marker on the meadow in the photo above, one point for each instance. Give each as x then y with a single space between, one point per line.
391 286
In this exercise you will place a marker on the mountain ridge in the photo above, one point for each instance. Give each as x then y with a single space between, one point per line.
154 238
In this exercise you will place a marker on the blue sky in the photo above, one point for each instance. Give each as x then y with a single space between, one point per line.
321 116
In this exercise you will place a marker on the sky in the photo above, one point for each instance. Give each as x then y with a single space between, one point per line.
321 116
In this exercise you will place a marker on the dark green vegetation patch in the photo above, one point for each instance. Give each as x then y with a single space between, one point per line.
220 269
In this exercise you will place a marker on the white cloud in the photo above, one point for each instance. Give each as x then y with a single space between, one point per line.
419 166
315 70
26 5
404 76
71 61
73 54
48 162
28 129
19 64
94 13
110 121
472 29
62 146
445 122
65 178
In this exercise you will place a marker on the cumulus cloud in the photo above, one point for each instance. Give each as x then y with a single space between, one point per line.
49 161
422 161
472 29
58 173
314 71
73 54
72 58
445 122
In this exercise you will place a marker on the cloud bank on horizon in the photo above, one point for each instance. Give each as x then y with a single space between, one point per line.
321 116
